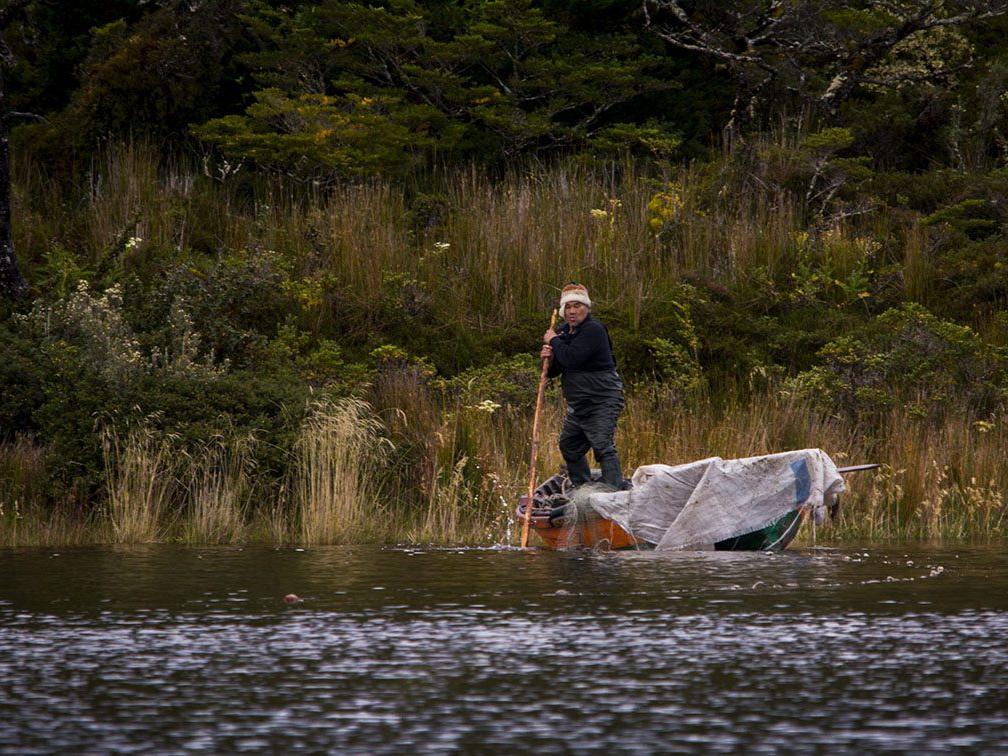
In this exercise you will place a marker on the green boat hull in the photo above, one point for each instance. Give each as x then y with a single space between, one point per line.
774 537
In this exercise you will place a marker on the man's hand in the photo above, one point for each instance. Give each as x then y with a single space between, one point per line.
546 352
549 336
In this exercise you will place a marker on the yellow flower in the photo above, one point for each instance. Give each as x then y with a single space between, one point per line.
983 426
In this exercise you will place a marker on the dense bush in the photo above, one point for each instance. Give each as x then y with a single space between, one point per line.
227 311
513 382
76 366
908 356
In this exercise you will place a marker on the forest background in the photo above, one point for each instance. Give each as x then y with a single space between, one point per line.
278 270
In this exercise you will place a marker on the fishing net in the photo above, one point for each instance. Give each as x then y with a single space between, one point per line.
578 512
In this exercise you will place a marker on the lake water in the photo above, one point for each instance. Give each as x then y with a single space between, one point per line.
167 648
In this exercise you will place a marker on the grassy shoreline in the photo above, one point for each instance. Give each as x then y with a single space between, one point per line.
246 359
937 484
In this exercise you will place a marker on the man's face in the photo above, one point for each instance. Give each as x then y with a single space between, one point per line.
575 313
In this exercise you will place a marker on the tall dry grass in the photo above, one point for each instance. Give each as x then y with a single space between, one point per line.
139 478
458 469
474 473
498 249
445 517
336 483
938 482
218 480
943 482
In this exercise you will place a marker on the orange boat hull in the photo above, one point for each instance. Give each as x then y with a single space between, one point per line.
595 533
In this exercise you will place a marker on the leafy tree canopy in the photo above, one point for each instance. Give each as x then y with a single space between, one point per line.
354 89
818 53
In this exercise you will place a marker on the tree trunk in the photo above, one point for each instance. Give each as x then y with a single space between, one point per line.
12 283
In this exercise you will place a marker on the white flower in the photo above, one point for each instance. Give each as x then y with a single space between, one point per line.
487 405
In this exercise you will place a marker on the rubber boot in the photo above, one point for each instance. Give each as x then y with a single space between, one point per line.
578 471
612 475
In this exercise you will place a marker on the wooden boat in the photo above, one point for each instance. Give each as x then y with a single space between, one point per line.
551 510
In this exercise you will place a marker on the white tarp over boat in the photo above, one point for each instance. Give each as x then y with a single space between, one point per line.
695 505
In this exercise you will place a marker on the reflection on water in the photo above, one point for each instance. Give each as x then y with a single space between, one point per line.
171 649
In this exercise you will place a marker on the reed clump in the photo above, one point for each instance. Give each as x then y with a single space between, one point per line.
139 474
219 484
473 480
336 480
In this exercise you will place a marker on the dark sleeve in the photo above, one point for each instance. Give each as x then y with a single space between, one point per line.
554 368
585 349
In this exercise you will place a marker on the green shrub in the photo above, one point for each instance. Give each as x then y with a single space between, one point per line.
976 218
513 381
77 366
908 356
231 308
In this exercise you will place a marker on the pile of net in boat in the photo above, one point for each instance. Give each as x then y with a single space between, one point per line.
695 505
578 511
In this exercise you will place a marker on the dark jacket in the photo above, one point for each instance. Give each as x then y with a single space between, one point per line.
587 365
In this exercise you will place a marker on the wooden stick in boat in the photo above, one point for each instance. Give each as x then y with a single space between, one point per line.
535 441
857 468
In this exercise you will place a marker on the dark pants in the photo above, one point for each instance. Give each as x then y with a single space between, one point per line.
593 429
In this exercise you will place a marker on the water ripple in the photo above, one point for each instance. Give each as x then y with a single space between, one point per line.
193 650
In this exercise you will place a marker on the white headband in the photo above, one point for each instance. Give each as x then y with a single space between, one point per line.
574 296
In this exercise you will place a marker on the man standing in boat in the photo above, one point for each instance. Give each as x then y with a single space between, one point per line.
581 353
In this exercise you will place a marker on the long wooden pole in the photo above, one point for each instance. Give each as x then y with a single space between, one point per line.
535 442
